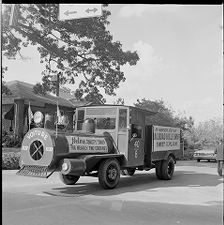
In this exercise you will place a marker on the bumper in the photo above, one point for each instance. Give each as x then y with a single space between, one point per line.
201 157
35 171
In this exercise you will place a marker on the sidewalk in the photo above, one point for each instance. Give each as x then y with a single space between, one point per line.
11 150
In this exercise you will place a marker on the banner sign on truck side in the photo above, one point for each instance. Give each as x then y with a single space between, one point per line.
87 144
166 138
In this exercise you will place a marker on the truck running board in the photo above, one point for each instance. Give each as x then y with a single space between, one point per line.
34 171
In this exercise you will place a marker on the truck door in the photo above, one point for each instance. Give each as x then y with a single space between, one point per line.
136 146
148 145
122 134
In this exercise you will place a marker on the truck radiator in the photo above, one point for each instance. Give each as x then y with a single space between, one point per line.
34 171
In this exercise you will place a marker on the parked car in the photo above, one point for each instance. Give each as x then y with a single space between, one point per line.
205 154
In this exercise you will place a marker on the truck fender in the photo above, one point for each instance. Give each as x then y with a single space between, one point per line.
86 163
170 154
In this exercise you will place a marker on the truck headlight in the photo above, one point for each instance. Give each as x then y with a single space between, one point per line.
38 117
64 166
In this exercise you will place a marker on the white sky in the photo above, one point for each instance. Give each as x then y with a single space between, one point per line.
181 60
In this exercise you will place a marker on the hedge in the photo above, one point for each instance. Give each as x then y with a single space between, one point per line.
10 160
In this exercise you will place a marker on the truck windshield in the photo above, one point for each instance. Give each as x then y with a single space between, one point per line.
106 123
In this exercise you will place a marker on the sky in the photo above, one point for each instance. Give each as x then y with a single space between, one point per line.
181 57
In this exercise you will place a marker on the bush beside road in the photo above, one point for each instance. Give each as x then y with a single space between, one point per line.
10 160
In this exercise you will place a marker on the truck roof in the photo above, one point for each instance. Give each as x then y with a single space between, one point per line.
111 105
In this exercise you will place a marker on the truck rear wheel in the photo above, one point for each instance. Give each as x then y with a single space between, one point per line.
109 173
168 168
68 179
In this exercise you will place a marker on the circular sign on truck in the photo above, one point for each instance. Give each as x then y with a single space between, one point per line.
37 148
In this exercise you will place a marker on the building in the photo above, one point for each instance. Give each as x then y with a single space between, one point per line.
15 106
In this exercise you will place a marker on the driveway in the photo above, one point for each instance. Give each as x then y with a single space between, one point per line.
193 196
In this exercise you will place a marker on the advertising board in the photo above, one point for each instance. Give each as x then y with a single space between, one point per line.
166 138
87 144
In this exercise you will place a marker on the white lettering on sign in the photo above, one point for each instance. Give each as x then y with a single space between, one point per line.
166 138
136 153
39 133
87 144
136 144
49 149
136 148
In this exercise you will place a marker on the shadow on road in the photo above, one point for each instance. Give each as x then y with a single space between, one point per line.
139 182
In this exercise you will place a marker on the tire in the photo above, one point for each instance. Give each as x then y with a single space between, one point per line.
159 170
198 160
129 171
109 173
168 168
68 179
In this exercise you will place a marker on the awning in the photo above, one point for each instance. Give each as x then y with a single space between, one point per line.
10 114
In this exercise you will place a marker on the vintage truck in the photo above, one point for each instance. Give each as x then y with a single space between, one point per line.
107 140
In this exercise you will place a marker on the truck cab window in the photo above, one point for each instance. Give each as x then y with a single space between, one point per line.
136 131
107 123
80 119
122 119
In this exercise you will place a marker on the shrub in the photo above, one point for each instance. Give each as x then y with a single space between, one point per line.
11 140
10 160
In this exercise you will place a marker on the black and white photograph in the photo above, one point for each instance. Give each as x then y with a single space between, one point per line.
112 114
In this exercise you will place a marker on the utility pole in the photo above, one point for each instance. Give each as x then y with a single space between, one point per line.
14 15
57 84
56 80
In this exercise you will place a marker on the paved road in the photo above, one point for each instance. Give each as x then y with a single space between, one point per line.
194 196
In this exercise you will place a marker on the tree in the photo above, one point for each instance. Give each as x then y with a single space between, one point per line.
119 101
208 132
5 90
165 114
77 48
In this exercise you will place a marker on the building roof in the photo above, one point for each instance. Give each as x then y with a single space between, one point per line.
23 90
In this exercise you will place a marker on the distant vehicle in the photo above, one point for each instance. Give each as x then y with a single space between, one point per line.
220 159
205 154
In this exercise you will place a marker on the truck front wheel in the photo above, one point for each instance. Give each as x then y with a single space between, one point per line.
68 179
109 173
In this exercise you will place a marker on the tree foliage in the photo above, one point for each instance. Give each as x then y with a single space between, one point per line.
5 90
165 114
119 101
81 48
208 132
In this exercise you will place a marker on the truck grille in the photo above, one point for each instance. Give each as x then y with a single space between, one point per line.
34 171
